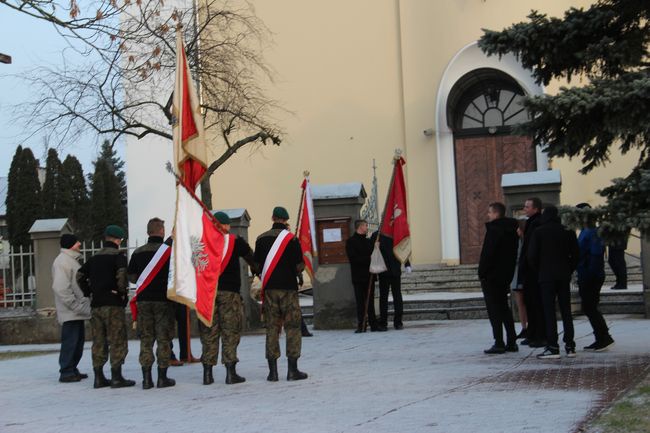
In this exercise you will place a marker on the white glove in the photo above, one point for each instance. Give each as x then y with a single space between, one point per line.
408 269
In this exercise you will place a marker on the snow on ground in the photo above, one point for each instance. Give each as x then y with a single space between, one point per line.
430 377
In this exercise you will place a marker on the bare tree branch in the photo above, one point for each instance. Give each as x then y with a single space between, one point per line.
123 52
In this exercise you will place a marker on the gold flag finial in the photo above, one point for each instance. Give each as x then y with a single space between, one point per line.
306 173
398 154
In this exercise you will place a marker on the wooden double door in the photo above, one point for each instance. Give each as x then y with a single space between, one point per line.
480 162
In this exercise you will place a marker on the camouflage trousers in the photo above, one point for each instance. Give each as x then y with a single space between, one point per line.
227 326
281 307
109 334
155 324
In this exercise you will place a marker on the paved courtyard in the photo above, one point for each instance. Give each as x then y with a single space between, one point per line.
430 377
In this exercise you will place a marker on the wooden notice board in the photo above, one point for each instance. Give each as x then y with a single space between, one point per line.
332 234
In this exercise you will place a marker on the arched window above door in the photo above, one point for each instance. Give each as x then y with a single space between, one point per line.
484 102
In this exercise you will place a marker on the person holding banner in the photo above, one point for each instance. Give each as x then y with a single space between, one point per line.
394 238
228 323
153 312
279 255
358 249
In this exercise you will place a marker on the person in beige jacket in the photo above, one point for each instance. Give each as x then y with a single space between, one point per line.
72 308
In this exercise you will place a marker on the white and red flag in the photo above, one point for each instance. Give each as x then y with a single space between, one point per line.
198 252
190 151
306 230
198 247
153 268
395 224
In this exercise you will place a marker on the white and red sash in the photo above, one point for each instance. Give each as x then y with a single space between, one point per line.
159 259
272 259
228 248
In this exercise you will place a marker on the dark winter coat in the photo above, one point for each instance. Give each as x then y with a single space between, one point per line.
525 275
553 251
592 255
104 277
499 253
359 249
230 278
290 265
157 289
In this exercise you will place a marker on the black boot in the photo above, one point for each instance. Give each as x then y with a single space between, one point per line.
231 374
117 380
163 380
100 379
147 382
294 373
273 370
207 374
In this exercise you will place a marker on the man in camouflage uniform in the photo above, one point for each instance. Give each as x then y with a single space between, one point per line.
104 277
155 313
281 305
227 324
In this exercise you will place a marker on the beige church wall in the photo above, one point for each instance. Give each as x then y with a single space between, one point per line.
336 66
360 79
433 32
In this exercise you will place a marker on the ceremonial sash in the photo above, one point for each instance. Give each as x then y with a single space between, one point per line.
272 259
228 248
159 259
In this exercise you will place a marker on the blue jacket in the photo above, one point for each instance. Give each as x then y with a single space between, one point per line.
592 255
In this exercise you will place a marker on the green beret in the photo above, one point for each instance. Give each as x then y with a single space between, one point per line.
280 212
222 217
115 232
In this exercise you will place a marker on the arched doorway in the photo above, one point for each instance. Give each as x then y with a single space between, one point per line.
482 107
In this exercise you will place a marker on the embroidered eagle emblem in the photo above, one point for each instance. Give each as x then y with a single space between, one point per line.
200 259
397 212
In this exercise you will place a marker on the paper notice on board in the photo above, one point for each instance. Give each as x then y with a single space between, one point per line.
332 235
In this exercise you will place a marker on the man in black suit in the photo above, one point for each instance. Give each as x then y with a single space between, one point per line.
359 249
554 253
495 270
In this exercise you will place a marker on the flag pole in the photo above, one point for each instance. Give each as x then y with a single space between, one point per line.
302 201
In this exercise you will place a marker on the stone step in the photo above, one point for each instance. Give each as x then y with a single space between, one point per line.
471 272
474 307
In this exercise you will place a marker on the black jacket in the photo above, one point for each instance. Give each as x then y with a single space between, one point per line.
499 253
553 251
104 277
358 249
290 265
157 288
230 278
525 275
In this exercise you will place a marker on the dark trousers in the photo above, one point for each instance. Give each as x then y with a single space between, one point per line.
361 296
536 330
395 286
590 296
180 313
560 290
72 346
499 312
616 261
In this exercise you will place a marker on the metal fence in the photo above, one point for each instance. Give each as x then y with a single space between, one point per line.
17 273
17 280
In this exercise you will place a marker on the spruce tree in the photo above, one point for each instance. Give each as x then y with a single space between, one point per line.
52 186
607 44
107 192
73 197
23 197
